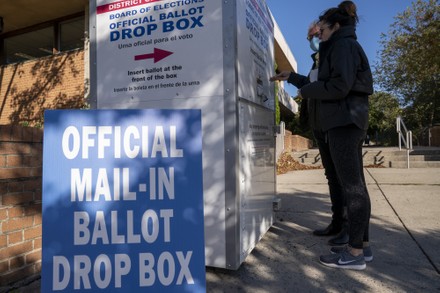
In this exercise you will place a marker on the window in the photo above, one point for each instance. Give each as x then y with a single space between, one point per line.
72 34
58 36
29 45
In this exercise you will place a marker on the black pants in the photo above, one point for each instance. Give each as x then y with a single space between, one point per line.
337 198
341 154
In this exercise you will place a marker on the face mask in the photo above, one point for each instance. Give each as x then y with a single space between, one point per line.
314 44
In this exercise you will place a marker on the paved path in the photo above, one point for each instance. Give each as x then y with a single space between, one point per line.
405 237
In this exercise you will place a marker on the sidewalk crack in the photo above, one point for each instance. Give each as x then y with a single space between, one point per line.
404 226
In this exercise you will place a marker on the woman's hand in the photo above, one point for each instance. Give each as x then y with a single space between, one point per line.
281 76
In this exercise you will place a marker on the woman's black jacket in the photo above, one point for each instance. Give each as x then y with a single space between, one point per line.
299 81
340 96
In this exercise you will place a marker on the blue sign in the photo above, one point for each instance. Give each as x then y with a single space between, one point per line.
123 201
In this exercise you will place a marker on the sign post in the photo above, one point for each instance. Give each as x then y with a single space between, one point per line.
123 201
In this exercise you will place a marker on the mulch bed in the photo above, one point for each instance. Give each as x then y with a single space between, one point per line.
287 163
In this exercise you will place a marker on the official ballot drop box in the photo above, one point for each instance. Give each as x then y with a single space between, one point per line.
212 55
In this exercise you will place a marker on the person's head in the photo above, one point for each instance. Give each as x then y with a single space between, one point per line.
313 30
334 18
313 36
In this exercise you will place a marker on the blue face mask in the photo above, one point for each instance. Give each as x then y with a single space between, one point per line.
314 44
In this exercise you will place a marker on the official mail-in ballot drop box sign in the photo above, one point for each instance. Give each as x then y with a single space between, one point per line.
212 55
123 201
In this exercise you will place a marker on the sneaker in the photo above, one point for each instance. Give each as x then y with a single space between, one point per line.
344 260
368 253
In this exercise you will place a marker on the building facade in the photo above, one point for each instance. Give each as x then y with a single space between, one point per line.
43 59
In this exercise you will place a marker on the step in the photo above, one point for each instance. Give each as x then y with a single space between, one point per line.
421 157
415 164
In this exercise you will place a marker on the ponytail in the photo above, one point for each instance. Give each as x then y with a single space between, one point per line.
345 14
349 8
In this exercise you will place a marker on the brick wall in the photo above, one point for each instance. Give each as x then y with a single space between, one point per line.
288 141
28 88
295 143
20 203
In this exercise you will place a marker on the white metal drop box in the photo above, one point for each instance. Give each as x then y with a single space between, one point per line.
212 55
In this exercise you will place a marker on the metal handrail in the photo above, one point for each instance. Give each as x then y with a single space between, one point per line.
405 136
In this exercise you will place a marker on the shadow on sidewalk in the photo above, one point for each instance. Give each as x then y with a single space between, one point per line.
286 259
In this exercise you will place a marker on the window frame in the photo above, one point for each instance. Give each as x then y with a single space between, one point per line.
55 24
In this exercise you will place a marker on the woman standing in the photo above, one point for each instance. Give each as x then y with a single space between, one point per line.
339 223
341 113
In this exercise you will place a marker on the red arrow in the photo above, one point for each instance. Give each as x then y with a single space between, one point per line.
157 55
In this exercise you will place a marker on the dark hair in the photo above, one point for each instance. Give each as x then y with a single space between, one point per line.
345 14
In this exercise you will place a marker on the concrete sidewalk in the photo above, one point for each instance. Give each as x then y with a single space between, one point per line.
404 230
404 233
